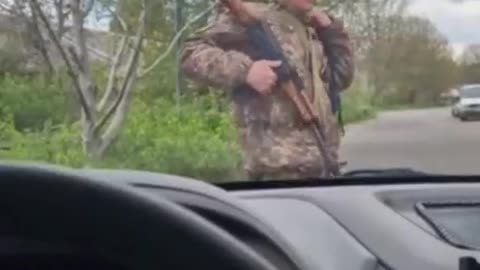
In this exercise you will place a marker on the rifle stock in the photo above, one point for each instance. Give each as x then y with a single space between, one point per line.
268 49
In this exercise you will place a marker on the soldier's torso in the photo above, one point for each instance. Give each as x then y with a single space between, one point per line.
274 138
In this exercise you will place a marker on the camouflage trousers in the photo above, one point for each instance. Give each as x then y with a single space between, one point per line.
259 172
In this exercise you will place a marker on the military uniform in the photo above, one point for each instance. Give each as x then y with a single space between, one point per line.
275 142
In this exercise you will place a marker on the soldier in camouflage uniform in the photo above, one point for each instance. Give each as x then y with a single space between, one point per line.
275 143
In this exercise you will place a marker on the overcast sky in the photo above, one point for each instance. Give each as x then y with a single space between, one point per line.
458 20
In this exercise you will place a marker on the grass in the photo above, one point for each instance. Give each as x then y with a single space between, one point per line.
357 105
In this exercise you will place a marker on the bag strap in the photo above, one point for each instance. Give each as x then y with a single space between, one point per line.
317 82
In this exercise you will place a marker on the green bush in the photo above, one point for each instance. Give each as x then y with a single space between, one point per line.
184 141
194 139
52 144
32 101
357 103
12 58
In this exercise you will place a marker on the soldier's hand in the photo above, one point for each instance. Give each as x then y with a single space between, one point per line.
319 19
261 76
307 10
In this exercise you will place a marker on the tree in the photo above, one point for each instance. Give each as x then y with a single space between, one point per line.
160 28
367 20
23 13
470 61
102 117
96 137
413 64
472 54
404 58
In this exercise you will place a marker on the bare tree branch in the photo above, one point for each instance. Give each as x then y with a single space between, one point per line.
120 116
91 4
119 19
59 5
78 32
18 10
91 49
65 58
38 39
113 74
86 80
75 58
175 40
6 7
131 73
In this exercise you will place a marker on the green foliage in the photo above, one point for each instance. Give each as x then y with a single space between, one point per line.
32 101
11 56
195 139
160 82
189 140
52 144
357 103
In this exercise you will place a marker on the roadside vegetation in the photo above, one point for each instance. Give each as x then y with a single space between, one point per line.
402 61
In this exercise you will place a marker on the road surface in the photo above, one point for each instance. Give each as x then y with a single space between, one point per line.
430 140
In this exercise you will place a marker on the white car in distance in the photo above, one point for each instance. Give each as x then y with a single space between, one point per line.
467 106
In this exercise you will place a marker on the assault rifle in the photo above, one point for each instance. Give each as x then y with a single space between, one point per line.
267 48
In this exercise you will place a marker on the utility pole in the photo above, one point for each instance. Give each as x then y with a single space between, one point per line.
178 26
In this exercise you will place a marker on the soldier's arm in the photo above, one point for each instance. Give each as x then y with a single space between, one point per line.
211 59
339 52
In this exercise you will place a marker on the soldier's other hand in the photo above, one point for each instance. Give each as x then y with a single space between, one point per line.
261 76
319 18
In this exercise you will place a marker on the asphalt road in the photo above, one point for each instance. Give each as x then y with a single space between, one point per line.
430 140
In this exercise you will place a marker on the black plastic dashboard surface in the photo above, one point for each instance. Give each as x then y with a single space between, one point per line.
54 262
314 234
382 218
376 212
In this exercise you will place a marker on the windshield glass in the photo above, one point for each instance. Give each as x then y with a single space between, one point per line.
191 89
471 92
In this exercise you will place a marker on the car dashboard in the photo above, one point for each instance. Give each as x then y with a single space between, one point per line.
361 223
368 227
345 226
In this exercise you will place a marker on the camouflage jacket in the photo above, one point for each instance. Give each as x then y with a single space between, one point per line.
275 142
